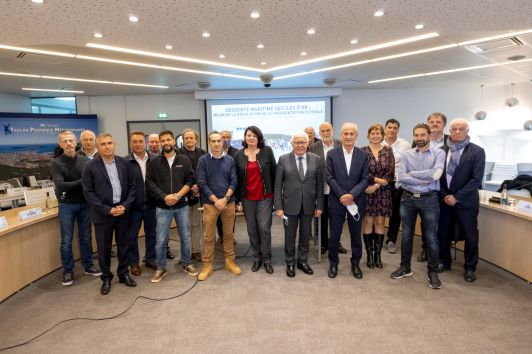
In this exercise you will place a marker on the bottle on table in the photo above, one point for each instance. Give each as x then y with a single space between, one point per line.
504 195
49 205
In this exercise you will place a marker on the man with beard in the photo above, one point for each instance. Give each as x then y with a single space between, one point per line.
419 175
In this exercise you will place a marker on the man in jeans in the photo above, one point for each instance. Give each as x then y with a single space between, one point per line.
169 177
217 182
419 175
66 172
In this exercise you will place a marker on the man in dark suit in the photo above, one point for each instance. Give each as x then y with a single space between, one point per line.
227 149
110 189
311 136
347 176
298 196
321 148
436 122
458 195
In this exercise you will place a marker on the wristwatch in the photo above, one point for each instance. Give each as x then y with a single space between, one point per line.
378 185
227 197
178 196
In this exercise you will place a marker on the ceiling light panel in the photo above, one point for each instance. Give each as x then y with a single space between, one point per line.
75 79
117 61
495 37
37 51
50 90
131 84
16 74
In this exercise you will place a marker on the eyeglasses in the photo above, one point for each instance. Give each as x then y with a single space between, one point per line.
299 143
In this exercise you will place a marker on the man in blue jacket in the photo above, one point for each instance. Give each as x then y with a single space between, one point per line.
109 187
459 202
347 176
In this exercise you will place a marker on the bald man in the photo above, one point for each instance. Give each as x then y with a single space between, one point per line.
153 143
311 135
88 144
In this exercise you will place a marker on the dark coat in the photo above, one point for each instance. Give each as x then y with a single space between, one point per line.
317 148
98 191
143 199
199 153
267 167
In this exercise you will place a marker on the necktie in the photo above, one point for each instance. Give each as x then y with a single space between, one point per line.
301 171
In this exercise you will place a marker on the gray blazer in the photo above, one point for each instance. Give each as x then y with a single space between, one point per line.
291 193
317 148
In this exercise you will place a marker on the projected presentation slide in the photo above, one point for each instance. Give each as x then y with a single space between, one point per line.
277 121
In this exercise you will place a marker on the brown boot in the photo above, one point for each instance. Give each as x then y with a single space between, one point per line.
205 272
230 266
135 270
197 256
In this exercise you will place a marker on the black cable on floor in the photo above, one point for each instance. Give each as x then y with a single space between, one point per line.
101 319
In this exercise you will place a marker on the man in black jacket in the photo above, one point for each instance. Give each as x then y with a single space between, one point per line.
190 139
169 178
109 187
143 207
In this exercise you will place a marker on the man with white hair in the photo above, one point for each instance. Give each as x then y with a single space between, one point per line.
88 144
311 135
458 196
347 176
298 196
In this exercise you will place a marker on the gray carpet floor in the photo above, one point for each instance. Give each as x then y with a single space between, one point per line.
261 313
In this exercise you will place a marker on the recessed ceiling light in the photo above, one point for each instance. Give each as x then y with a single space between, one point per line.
303 53
354 41
130 84
311 31
36 89
98 35
38 1
133 19
15 74
260 46
206 35
117 61
263 63
168 47
37 51
66 98
419 27
221 56
378 13
255 15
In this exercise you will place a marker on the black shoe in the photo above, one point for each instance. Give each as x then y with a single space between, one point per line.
379 240
470 276
401 272
423 256
106 287
324 249
357 272
305 268
342 250
434 281
169 255
126 279
333 271
442 268
368 242
256 266
269 268
290 271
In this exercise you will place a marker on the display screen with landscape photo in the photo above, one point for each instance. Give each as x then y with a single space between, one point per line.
28 141
277 121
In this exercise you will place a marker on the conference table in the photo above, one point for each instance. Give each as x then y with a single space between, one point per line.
29 249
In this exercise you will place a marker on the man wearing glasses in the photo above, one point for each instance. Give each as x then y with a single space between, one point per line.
298 195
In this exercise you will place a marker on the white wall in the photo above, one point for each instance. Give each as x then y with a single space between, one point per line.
14 104
501 133
115 111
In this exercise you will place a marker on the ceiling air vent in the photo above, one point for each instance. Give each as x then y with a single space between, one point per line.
39 58
492 46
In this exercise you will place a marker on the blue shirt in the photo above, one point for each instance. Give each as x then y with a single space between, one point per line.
304 161
215 176
423 166
112 171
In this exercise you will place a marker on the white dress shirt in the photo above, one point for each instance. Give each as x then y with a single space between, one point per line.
399 148
142 164
348 156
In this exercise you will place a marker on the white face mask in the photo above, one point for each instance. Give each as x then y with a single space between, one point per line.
353 210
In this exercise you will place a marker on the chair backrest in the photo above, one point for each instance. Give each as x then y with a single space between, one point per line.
14 182
524 169
503 171
30 181
38 196
488 167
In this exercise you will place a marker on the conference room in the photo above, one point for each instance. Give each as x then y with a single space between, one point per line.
77 75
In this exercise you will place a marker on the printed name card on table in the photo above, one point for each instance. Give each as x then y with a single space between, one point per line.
3 222
16 190
524 206
29 214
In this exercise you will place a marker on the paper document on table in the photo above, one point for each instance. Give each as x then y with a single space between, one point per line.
524 206
3 222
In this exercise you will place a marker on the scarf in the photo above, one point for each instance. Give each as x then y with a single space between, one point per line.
455 154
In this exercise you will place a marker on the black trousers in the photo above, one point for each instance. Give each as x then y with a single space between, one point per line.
468 221
104 242
337 219
325 222
290 232
395 220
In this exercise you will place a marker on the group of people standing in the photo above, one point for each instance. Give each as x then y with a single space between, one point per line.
437 178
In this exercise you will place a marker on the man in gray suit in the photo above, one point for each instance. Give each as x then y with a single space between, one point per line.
298 197
321 148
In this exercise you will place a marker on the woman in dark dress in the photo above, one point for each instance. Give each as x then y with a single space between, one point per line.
381 163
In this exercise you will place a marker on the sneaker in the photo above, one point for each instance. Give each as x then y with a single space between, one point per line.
423 256
434 281
93 271
401 272
230 266
391 247
68 279
205 272
190 270
158 276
